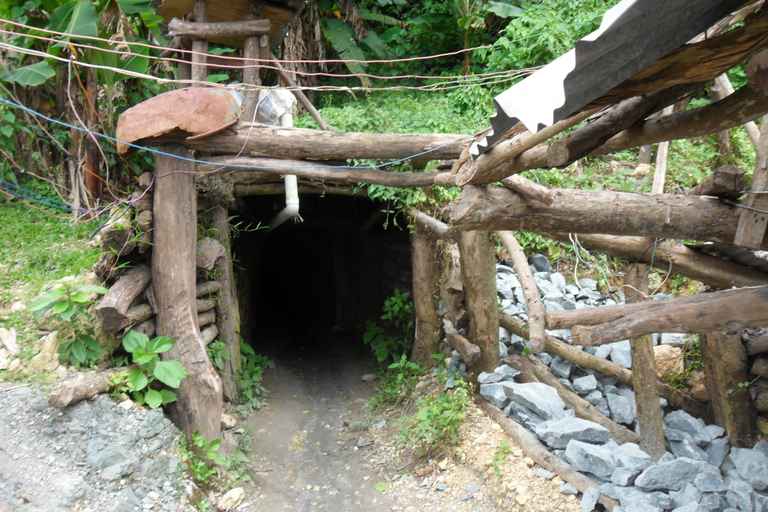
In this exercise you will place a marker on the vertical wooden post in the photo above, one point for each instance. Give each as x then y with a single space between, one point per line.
92 168
662 153
725 364
200 46
649 421
251 50
752 224
477 271
424 261
227 312
173 279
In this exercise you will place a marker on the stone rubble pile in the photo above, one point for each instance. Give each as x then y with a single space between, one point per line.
701 474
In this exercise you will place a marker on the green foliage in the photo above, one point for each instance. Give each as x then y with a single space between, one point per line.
500 457
395 337
397 383
694 361
146 354
68 303
201 457
436 421
218 353
252 392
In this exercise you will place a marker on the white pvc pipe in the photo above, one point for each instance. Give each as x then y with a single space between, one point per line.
291 210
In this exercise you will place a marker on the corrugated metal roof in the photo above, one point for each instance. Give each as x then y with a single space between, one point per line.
632 35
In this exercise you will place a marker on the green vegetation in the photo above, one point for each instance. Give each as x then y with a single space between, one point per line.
146 354
394 337
693 359
500 457
252 392
201 457
396 384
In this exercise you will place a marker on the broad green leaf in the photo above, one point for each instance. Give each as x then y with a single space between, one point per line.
217 77
61 15
78 350
375 44
153 398
504 10
32 75
137 379
136 6
60 307
142 358
428 19
84 20
325 5
91 288
68 313
8 117
79 297
161 344
381 486
222 51
6 130
342 37
168 396
169 373
380 18
90 343
132 340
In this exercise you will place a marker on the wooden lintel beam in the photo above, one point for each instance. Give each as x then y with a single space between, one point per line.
227 29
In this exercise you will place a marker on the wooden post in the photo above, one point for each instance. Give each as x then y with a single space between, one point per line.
753 222
92 168
200 46
649 422
251 72
662 154
227 312
725 364
173 279
424 260
477 272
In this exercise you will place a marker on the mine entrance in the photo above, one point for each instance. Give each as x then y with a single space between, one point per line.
311 286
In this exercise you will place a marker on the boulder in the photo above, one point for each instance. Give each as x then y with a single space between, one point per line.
489 378
709 482
585 385
669 361
752 466
558 433
717 450
540 263
543 400
621 353
523 415
681 420
621 409
590 458
507 372
672 475
561 367
495 393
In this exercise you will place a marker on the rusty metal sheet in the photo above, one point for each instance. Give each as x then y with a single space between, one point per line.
175 116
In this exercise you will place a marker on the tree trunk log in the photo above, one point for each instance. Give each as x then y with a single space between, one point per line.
583 409
200 46
137 314
590 211
649 423
207 288
469 353
144 226
621 374
206 318
529 190
477 271
204 305
537 321
113 308
73 391
209 334
439 229
276 142
227 310
199 402
425 265
724 311
725 364
724 181
539 453
673 257
221 30
148 327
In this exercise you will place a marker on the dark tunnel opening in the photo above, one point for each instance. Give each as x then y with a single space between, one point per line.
310 287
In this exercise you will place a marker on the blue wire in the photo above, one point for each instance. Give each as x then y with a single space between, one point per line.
43 202
239 166
53 202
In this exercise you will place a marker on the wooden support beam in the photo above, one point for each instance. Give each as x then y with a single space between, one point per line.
649 423
200 45
672 257
276 142
724 181
597 211
726 89
226 29
199 402
725 364
113 308
539 453
477 272
437 228
76 390
251 55
529 190
533 370
425 264
723 311
270 169
537 321
754 217
469 352
227 310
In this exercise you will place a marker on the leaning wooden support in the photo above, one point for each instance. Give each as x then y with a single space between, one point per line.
528 189
275 142
723 311
673 257
533 370
537 321
725 364
534 449
199 402
477 272
469 352
597 211
73 391
578 357
424 262
649 417
437 228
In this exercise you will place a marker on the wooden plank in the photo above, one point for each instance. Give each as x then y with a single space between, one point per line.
754 218
649 422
